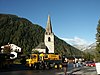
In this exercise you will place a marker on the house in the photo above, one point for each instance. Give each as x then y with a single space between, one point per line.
12 48
40 48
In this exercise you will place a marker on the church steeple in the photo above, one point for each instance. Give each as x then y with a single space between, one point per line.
49 26
49 37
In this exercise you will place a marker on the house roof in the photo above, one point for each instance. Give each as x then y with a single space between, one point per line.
41 46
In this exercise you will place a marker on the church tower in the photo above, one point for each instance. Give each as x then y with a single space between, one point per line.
49 37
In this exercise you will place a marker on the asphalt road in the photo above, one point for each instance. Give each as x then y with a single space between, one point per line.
19 69
22 70
30 72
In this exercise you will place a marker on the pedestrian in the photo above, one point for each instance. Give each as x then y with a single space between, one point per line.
77 64
74 64
64 65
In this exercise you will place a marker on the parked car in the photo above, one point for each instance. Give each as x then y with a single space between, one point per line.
90 63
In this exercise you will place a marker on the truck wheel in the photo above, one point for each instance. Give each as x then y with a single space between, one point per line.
42 66
31 66
47 66
58 66
36 66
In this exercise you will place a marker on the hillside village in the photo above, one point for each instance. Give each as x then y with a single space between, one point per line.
23 39
49 37
28 36
49 44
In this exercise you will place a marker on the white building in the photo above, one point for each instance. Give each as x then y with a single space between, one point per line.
41 48
49 37
12 47
48 45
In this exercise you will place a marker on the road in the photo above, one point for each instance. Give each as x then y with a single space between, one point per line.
81 71
22 70
86 71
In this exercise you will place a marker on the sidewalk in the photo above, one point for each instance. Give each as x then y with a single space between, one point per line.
69 72
80 71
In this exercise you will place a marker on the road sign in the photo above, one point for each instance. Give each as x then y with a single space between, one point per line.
98 68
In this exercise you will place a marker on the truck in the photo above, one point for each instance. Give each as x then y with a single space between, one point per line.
44 61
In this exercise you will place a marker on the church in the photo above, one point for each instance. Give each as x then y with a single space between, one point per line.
48 45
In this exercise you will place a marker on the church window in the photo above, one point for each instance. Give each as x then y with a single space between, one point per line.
49 39
48 33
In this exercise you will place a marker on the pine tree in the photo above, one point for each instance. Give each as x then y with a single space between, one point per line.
98 42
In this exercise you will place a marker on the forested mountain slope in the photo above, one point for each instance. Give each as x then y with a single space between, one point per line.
25 34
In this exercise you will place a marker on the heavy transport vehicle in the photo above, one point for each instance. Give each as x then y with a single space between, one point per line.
44 61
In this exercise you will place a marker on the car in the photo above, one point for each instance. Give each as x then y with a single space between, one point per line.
90 64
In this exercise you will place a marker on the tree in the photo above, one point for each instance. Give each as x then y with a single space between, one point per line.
88 57
98 42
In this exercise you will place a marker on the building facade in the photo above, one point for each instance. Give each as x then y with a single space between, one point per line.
48 45
49 37
12 47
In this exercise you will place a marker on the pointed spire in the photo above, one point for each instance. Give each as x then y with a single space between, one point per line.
49 26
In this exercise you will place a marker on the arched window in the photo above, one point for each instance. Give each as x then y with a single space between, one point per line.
49 39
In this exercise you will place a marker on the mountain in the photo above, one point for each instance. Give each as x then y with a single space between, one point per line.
25 34
92 46
80 47
90 49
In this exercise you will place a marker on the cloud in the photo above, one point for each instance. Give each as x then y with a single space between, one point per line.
76 41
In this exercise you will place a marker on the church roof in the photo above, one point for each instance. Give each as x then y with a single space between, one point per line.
49 26
41 46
